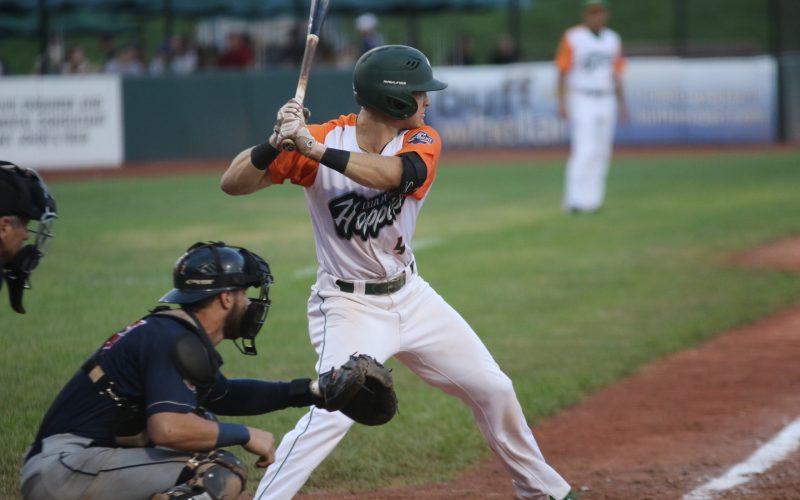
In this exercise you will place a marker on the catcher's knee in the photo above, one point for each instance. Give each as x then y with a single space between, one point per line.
217 475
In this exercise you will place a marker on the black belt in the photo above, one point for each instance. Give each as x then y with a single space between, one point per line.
382 288
596 93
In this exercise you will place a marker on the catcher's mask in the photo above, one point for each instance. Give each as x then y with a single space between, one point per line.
24 194
207 269
385 78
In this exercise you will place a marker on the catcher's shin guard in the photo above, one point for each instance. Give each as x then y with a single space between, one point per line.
217 475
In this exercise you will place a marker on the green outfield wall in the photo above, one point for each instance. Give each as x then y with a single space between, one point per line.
218 114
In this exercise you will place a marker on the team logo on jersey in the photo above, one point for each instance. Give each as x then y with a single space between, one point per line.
596 60
421 137
118 336
354 214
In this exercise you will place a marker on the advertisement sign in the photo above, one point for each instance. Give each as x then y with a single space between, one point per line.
670 100
61 122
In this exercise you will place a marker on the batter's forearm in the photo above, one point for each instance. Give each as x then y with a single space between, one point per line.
370 170
375 171
242 177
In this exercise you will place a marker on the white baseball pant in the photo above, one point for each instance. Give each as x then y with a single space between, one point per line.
418 327
592 119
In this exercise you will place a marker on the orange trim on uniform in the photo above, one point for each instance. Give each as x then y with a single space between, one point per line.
619 63
564 55
299 169
424 141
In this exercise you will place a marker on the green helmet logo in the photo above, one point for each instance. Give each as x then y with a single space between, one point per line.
385 78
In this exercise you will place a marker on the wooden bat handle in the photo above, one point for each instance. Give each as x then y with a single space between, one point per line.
312 41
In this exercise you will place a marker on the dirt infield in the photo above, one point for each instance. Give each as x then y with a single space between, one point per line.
676 424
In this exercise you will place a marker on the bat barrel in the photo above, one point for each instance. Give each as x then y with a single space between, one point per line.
316 16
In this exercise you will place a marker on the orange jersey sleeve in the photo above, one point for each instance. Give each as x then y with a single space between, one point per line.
564 55
424 141
299 169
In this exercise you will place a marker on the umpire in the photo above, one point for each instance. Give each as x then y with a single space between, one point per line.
136 419
24 198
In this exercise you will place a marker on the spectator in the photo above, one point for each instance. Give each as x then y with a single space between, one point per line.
505 51
126 62
207 57
239 52
160 62
369 37
76 62
291 52
108 48
50 61
183 55
4 70
463 54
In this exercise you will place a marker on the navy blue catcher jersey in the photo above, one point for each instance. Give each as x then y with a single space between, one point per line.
139 361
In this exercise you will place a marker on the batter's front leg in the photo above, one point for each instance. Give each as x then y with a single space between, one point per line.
301 450
469 372
338 327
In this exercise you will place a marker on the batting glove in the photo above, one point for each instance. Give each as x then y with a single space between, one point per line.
288 112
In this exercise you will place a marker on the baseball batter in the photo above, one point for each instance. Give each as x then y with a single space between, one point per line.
366 178
590 95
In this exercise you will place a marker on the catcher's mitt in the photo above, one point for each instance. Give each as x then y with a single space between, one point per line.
336 387
361 388
376 402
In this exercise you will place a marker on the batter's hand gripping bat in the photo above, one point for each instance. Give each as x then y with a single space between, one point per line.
316 17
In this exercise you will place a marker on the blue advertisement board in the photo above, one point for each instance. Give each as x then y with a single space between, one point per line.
670 101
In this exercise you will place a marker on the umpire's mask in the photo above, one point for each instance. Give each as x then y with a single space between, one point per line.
23 194
207 269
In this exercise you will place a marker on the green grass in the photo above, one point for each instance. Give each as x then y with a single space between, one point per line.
566 304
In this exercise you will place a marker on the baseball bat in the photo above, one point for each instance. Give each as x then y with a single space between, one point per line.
316 16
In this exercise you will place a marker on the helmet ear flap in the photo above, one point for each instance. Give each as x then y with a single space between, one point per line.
401 106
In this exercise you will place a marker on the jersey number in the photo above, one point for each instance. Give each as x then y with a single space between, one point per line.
400 247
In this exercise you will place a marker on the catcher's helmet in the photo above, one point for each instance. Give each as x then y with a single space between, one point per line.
207 269
385 77
23 193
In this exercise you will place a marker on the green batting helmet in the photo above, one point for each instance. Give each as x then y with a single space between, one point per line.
385 77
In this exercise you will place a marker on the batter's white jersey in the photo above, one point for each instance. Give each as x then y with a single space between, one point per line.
590 60
362 233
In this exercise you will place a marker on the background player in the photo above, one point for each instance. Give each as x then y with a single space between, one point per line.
590 94
145 386
366 177
23 198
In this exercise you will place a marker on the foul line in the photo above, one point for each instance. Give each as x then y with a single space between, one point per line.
783 444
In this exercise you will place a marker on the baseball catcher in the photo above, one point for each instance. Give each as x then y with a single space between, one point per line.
138 418
24 199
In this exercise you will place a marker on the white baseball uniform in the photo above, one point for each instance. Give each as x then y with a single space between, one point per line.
363 240
590 62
